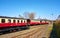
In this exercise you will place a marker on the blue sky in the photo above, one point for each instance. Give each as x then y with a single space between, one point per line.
42 8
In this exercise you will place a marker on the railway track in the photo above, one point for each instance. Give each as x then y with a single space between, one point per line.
33 32
28 34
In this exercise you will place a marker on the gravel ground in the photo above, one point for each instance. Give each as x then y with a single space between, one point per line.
38 31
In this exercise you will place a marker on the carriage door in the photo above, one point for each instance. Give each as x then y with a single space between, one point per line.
28 21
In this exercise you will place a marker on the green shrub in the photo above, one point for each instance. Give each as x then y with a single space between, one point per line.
57 26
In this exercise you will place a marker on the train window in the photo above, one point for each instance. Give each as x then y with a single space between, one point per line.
14 21
3 20
24 21
18 21
9 20
21 21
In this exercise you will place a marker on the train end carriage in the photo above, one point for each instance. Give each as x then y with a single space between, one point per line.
35 22
44 21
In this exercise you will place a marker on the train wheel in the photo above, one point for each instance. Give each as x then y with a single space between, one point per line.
14 30
19 29
28 26
10 31
1 33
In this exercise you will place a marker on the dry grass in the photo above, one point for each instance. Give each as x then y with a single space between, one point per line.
49 30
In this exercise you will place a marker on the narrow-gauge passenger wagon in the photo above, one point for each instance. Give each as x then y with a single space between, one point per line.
9 24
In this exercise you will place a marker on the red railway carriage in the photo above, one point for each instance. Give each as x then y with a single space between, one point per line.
8 24
38 22
11 21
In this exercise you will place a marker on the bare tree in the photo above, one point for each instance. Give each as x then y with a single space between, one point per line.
29 15
32 15
20 16
26 14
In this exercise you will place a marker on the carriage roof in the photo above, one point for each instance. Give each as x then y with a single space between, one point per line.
11 17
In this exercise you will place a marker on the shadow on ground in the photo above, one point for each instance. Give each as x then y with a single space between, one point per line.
53 33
